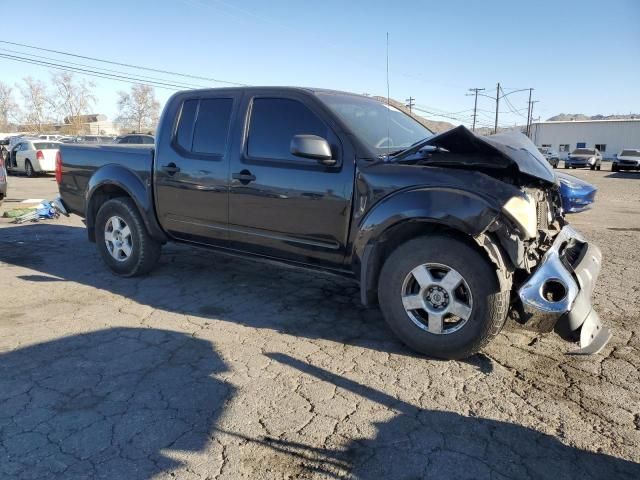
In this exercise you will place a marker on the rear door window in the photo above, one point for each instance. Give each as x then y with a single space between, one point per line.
203 126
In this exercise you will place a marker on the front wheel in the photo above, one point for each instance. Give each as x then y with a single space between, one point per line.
441 297
122 239
614 167
566 165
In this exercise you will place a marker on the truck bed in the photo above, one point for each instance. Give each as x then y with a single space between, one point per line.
80 163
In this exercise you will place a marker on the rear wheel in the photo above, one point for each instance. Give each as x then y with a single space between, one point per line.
28 169
122 239
566 165
592 167
441 297
614 167
598 168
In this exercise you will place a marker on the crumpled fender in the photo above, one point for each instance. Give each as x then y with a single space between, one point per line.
460 210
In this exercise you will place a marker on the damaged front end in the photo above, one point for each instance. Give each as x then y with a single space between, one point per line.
554 268
559 291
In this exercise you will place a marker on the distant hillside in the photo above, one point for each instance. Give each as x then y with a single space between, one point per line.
433 125
564 117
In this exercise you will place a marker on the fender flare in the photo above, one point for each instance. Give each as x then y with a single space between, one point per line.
128 181
440 207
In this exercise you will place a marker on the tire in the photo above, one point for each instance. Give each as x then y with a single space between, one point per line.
486 306
614 167
566 165
127 253
598 168
28 169
592 167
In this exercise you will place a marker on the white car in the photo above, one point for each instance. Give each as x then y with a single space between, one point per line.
34 156
627 159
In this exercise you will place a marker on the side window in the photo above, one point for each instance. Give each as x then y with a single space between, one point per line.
204 125
184 133
147 140
212 126
274 122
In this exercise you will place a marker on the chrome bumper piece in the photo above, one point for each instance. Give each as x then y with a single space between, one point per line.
557 290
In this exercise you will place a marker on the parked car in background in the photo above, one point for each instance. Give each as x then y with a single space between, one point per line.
53 138
576 194
135 139
584 157
447 233
627 159
3 180
551 156
34 156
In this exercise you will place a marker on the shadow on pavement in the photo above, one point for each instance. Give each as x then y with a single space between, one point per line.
107 404
419 443
630 174
199 283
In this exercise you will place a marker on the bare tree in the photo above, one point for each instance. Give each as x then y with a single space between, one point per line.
9 109
37 103
72 99
138 109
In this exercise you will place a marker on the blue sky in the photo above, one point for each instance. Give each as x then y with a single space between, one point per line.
580 56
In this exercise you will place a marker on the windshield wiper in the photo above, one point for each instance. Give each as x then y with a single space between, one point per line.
413 148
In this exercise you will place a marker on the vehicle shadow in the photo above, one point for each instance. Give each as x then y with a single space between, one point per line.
204 285
419 443
630 174
107 404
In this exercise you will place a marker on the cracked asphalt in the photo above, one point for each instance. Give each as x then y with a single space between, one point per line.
220 368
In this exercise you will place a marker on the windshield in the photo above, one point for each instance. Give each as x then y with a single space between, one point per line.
630 153
583 151
379 126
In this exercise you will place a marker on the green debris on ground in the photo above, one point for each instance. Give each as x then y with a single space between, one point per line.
16 212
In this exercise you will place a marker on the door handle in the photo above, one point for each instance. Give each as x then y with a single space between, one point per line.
171 169
245 176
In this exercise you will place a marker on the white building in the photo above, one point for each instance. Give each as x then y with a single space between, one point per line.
608 136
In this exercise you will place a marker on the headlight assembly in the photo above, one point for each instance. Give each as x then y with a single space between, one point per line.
522 210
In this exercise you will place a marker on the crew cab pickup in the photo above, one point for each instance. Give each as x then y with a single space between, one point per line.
449 233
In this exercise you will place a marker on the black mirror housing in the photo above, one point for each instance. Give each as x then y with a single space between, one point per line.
312 147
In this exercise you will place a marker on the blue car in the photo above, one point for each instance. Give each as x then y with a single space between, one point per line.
577 195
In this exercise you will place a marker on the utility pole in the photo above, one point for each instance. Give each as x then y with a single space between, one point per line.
495 128
475 105
410 103
531 103
528 130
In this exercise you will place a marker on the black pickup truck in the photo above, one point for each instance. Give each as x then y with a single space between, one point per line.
448 233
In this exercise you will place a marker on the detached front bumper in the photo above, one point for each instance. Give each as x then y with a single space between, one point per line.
561 289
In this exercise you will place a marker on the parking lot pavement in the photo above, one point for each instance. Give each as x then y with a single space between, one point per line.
213 367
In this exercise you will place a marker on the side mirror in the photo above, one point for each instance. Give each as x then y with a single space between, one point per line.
313 147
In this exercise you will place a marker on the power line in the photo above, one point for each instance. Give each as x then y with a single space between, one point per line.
143 78
91 73
128 65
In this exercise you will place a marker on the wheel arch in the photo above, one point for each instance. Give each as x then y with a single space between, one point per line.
112 181
463 215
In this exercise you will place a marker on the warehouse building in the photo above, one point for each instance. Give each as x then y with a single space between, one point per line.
608 136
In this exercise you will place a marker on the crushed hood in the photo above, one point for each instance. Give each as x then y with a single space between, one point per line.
502 150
